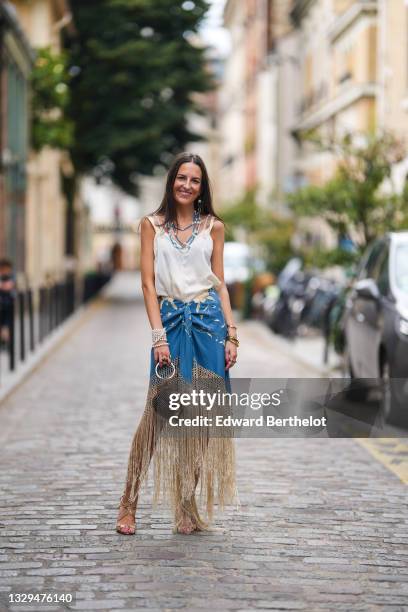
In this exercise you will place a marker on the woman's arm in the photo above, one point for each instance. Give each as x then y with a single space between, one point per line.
217 266
148 286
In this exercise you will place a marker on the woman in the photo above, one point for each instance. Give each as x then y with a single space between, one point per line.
194 339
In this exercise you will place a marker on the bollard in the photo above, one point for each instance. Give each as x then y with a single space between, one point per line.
41 309
30 318
21 313
12 347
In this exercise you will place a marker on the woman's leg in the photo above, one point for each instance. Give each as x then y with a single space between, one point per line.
140 455
187 517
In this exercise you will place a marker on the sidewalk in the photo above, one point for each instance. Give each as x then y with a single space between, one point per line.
308 351
321 525
10 380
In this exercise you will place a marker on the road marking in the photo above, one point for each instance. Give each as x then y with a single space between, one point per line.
391 452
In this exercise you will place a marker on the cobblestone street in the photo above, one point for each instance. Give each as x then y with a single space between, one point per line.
323 525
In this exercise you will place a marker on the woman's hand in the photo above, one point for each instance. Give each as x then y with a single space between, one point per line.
162 355
230 354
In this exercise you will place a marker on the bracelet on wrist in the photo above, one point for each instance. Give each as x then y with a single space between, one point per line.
160 344
233 339
158 334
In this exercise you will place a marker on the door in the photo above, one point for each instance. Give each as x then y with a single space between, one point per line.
368 314
364 315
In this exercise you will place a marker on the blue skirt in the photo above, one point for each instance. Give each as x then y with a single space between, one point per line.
196 333
186 464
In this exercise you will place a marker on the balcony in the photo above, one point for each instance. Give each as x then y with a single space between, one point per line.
343 23
350 95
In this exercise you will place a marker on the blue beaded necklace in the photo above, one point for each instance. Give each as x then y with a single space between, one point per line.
172 232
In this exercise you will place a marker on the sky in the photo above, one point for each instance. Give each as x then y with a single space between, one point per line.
212 30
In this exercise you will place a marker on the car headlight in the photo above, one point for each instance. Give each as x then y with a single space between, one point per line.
403 326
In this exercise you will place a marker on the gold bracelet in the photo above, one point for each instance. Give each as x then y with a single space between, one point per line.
233 339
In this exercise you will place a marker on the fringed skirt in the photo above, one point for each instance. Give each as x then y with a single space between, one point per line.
188 461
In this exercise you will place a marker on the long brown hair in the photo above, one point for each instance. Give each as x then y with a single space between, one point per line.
167 206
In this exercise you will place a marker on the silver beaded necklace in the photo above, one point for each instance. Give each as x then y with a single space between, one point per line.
172 228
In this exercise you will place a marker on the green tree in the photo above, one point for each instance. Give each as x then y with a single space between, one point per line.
135 71
359 200
50 99
264 228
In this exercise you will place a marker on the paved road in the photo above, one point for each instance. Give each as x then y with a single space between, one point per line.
322 526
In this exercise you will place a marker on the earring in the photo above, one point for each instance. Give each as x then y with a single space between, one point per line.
199 206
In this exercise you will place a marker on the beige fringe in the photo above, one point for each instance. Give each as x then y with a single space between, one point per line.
184 456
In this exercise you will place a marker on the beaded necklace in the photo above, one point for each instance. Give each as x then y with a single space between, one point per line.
172 232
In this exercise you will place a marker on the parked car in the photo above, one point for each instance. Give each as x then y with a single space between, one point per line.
376 324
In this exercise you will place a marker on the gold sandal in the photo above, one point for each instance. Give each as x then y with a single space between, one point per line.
126 507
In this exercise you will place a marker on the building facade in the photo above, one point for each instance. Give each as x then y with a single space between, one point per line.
392 104
231 107
354 77
338 55
45 230
279 175
16 61
258 98
337 48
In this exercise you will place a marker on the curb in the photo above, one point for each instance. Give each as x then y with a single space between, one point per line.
51 343
285 347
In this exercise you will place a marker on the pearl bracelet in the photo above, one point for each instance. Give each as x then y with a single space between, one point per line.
160 344
158 334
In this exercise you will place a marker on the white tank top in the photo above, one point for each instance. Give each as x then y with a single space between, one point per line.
183 275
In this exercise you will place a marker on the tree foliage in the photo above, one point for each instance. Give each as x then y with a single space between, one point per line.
135 71
359 200
50 98
264 228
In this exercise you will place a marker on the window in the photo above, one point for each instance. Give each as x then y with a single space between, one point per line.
371 260
383 273
401 268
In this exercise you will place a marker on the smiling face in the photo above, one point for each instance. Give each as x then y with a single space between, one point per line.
187 184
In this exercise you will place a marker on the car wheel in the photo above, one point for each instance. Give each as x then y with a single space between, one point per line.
392 409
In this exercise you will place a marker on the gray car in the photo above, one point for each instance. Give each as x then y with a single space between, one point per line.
376 324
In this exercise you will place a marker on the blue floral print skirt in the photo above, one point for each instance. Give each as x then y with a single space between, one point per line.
188 462
196 333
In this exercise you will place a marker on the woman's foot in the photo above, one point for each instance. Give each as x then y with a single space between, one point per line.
126 518
185 524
